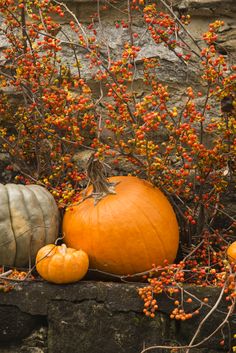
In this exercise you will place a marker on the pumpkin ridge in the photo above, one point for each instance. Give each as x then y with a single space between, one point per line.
99 232
55 215
50 266
92 252
66 266
42 214
158 238
40 206
30 230
47 265
123 264
41 191
135 205
10 216
114 213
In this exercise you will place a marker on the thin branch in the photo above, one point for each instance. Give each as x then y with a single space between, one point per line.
75 19
5 274
180 23
188 347
206 317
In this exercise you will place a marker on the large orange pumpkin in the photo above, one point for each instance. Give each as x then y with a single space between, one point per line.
59 264
127 232
231 252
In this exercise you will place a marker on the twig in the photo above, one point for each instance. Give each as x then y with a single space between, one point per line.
105 40
180 23
5 274
206 317
76 20
188 347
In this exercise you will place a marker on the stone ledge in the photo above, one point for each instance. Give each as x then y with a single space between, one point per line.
98 317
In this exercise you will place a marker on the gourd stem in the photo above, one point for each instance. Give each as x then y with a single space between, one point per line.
97 177
63 249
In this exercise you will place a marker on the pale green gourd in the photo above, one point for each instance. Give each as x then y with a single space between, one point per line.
29 219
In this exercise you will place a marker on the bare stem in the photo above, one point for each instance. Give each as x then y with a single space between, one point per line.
5 274
180 23
96 174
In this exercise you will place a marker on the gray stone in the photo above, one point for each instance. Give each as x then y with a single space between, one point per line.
36 342
102 317
99 328
15 324
227 5
81 158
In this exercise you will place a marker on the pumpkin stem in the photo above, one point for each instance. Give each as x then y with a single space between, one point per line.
97 177
63 249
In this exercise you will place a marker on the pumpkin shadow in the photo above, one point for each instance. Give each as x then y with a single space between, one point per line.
97 275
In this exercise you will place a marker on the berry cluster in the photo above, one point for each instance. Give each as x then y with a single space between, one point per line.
206 266
187 149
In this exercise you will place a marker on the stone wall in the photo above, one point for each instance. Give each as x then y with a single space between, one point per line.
106 317
172 71
101 317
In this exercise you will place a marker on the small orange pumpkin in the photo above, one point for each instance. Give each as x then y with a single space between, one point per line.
59 264
231 252
126 231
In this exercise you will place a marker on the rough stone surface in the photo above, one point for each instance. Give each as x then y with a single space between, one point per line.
105 317
36 342
101 317
19 324
172 71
